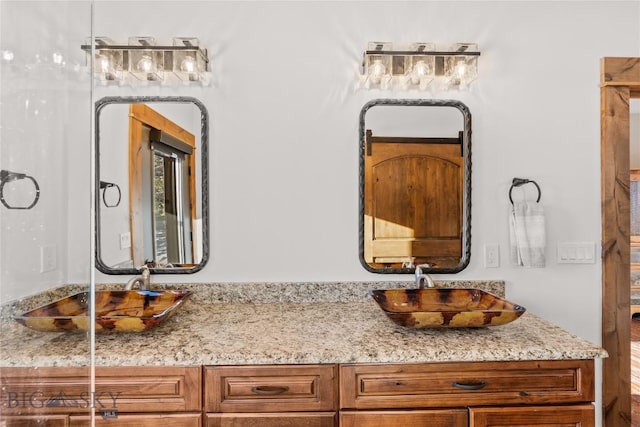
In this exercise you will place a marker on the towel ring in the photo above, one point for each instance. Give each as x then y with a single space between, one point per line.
517 182
104 186
7 176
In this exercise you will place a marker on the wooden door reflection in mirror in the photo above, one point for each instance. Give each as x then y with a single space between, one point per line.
415 185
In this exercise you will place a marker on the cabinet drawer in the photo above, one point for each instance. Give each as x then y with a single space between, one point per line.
35 421
141 420
126 389
463 384
549 416
297 419
271 388
431 418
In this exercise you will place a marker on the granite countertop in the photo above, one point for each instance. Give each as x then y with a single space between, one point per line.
213 329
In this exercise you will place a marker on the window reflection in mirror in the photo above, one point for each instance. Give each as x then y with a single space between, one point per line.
155 151
415 185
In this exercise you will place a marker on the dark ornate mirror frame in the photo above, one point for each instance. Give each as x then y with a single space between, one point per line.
466 202
204 156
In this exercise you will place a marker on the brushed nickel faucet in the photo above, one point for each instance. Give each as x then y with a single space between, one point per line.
422 278
142 280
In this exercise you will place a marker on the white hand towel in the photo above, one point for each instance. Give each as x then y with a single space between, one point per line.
527 234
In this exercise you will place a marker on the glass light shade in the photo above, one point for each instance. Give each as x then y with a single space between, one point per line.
378 66
421 70
461 70
145 64
108 63
188 65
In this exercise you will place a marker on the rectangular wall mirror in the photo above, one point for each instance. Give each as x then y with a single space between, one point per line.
415 185
152 185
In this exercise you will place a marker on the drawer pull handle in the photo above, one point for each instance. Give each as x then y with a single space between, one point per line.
269 390
472 386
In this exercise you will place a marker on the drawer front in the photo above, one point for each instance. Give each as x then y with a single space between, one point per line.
463 384
431 418
298 419
141 420
549 416
35 421
126 389
271 388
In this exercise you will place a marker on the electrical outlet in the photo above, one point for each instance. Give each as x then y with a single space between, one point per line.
125 240
48 258
491 256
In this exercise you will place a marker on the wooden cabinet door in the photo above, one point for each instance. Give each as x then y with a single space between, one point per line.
413 202
547 416
35 421
431 418
295 419
141 420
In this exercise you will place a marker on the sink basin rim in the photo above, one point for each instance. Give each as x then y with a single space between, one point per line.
75 311
407 307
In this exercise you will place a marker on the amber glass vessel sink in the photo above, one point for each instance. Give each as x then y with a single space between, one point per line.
116 311
444 307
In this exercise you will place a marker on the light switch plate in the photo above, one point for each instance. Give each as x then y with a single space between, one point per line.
125 240
48 258
491 256
576 253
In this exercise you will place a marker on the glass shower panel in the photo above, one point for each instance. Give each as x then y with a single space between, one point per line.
45 235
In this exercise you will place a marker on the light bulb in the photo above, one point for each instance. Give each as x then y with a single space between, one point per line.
376 71
460 70
419 72
188 65
103 64
145 64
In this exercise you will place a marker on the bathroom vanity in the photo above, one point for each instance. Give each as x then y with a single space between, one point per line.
300 355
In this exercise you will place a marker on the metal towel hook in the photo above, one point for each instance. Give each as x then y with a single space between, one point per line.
517 182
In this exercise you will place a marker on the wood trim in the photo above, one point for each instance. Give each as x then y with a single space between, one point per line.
624 72
136 216
619 77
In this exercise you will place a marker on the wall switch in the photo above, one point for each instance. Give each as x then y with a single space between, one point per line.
576 253
125 240
491 256
48 258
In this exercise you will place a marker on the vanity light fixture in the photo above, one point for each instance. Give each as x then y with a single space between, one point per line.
148 61
418 65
